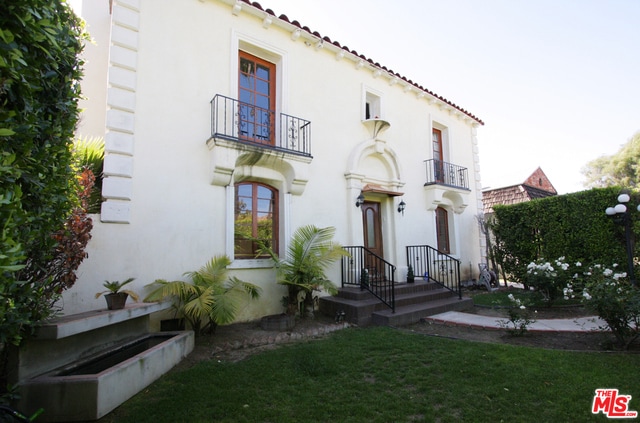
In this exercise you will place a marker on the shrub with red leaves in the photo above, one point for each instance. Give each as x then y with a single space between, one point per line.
73 239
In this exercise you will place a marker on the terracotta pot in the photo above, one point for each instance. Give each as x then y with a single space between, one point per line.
116 301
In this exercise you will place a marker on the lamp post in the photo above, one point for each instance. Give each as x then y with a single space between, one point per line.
621 214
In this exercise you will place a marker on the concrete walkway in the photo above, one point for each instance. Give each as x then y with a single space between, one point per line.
582 324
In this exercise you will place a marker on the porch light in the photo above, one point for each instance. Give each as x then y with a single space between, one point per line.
360 200
401 206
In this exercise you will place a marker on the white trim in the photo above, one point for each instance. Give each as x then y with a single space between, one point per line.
229 223
120 120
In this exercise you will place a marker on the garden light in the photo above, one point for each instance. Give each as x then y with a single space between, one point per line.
622 215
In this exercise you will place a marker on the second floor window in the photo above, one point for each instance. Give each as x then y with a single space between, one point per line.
436 136
256 219
256 94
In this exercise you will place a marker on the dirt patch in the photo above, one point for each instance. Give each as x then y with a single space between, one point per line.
240 340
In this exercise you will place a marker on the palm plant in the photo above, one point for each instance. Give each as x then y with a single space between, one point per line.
211 298
310 252
88 154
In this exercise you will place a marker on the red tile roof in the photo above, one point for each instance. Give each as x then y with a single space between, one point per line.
363 57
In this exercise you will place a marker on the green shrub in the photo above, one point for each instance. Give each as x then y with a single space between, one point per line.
519 317
211 298
40 70
549 278
573 226
613 298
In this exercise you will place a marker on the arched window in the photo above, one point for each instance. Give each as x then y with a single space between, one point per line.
442 230
256 219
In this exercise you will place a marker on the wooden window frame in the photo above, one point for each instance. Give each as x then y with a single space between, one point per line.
255 220
437 147
270 125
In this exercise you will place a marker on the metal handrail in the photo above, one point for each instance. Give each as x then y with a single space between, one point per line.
436 266
246 123
370 272
443 173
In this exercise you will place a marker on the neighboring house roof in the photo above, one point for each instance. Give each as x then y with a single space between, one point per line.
322 40
537 185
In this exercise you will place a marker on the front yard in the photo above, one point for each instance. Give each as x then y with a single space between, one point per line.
383 375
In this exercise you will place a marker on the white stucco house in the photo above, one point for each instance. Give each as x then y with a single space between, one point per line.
222 119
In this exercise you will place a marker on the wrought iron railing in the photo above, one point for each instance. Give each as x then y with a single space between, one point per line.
431 264
246 123
370 272
443 173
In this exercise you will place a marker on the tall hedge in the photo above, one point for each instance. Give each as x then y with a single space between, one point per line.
40 70
573 225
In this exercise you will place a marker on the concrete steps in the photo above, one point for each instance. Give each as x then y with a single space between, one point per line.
413 302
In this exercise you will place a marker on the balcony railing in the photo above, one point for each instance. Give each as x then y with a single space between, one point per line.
246 123
443 173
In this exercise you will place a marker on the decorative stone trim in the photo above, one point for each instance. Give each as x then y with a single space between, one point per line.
120 121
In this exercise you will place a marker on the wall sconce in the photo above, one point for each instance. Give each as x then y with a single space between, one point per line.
360 200
401 206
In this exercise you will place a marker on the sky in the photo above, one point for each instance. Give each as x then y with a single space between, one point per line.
556 82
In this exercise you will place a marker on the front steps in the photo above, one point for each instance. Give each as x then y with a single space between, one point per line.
413 302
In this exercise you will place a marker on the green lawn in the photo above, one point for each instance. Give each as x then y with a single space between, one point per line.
530 298
386 375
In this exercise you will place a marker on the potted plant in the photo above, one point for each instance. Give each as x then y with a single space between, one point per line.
211 298
116 296
410 276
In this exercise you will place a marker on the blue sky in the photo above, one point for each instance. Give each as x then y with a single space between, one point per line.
555 81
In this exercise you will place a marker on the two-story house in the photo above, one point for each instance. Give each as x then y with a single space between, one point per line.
224 122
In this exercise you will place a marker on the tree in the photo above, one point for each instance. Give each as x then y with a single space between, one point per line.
619 169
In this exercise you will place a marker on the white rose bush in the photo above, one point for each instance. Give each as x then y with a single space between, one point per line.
549 278
519 318
604 290
613 298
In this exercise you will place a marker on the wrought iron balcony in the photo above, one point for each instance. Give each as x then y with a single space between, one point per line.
246 123
443 173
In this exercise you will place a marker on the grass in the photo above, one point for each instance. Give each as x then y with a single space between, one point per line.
531 298
386 375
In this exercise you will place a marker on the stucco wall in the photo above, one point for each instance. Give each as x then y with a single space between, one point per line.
177 219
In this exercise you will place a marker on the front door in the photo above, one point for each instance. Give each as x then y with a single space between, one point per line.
372 229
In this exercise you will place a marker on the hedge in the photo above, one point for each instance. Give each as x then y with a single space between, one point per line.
573 226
